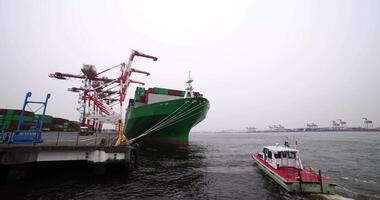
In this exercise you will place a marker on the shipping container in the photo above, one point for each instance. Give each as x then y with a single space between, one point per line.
155 98
26 118
59 121
47 118
139 92
163 91
176 93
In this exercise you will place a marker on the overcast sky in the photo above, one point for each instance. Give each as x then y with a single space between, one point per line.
258 62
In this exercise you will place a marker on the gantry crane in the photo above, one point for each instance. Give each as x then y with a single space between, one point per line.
367 123
98 95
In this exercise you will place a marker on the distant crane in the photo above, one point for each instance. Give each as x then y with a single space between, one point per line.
335 124
251 129
311 125
367 123
342 123
278 128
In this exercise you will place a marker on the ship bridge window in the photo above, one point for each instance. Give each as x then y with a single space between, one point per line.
277 155
270 154
284 154
292 155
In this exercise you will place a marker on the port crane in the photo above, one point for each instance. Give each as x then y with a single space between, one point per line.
335 124
342 123
99 94
311 125
367 123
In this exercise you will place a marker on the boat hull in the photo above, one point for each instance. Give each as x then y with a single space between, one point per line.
169 121
295 185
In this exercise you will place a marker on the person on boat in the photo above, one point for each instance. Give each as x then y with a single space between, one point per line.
286 143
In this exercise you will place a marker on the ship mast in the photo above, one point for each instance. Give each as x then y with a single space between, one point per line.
189 88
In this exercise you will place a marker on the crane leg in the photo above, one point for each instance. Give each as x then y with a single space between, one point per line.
121 139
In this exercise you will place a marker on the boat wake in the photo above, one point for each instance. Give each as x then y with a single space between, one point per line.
329 197
316 197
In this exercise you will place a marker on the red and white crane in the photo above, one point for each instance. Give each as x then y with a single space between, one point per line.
367 123
335 124
98 95
342 124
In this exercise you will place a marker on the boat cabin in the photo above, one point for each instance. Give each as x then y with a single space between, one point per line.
281 156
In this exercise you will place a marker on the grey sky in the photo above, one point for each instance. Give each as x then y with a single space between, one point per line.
258 62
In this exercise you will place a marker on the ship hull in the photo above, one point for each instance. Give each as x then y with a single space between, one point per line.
291 181
166 122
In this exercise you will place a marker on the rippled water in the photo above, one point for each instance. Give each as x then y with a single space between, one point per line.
219 166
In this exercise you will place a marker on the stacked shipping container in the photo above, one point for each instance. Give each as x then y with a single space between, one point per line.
59 124
9 119
155 95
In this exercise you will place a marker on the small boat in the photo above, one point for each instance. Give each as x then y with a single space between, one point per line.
284 166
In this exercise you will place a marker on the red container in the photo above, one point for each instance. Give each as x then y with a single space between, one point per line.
151 90
14 124
146 99
59 121
174 92
197 94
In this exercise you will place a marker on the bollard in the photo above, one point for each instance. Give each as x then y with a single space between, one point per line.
56 144
109 138
96 137
10 138
300 175
77 139
320 180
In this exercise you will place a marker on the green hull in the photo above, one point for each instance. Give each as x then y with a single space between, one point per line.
169 121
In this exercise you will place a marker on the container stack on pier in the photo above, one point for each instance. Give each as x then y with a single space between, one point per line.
9 119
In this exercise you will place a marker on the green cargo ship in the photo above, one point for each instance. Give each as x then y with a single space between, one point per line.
160 115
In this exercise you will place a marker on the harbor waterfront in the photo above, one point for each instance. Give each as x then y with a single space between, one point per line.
219 166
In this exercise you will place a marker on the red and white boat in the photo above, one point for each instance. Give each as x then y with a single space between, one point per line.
284 166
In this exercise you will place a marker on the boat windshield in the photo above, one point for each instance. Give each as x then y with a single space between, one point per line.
292 155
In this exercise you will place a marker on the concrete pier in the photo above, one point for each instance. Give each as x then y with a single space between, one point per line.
65 149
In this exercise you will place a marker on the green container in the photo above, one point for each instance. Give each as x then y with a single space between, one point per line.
161 91
74 122
140 91
9 115
26 118
47 118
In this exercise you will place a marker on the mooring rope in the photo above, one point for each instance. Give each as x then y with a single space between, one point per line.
166 118
172 120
